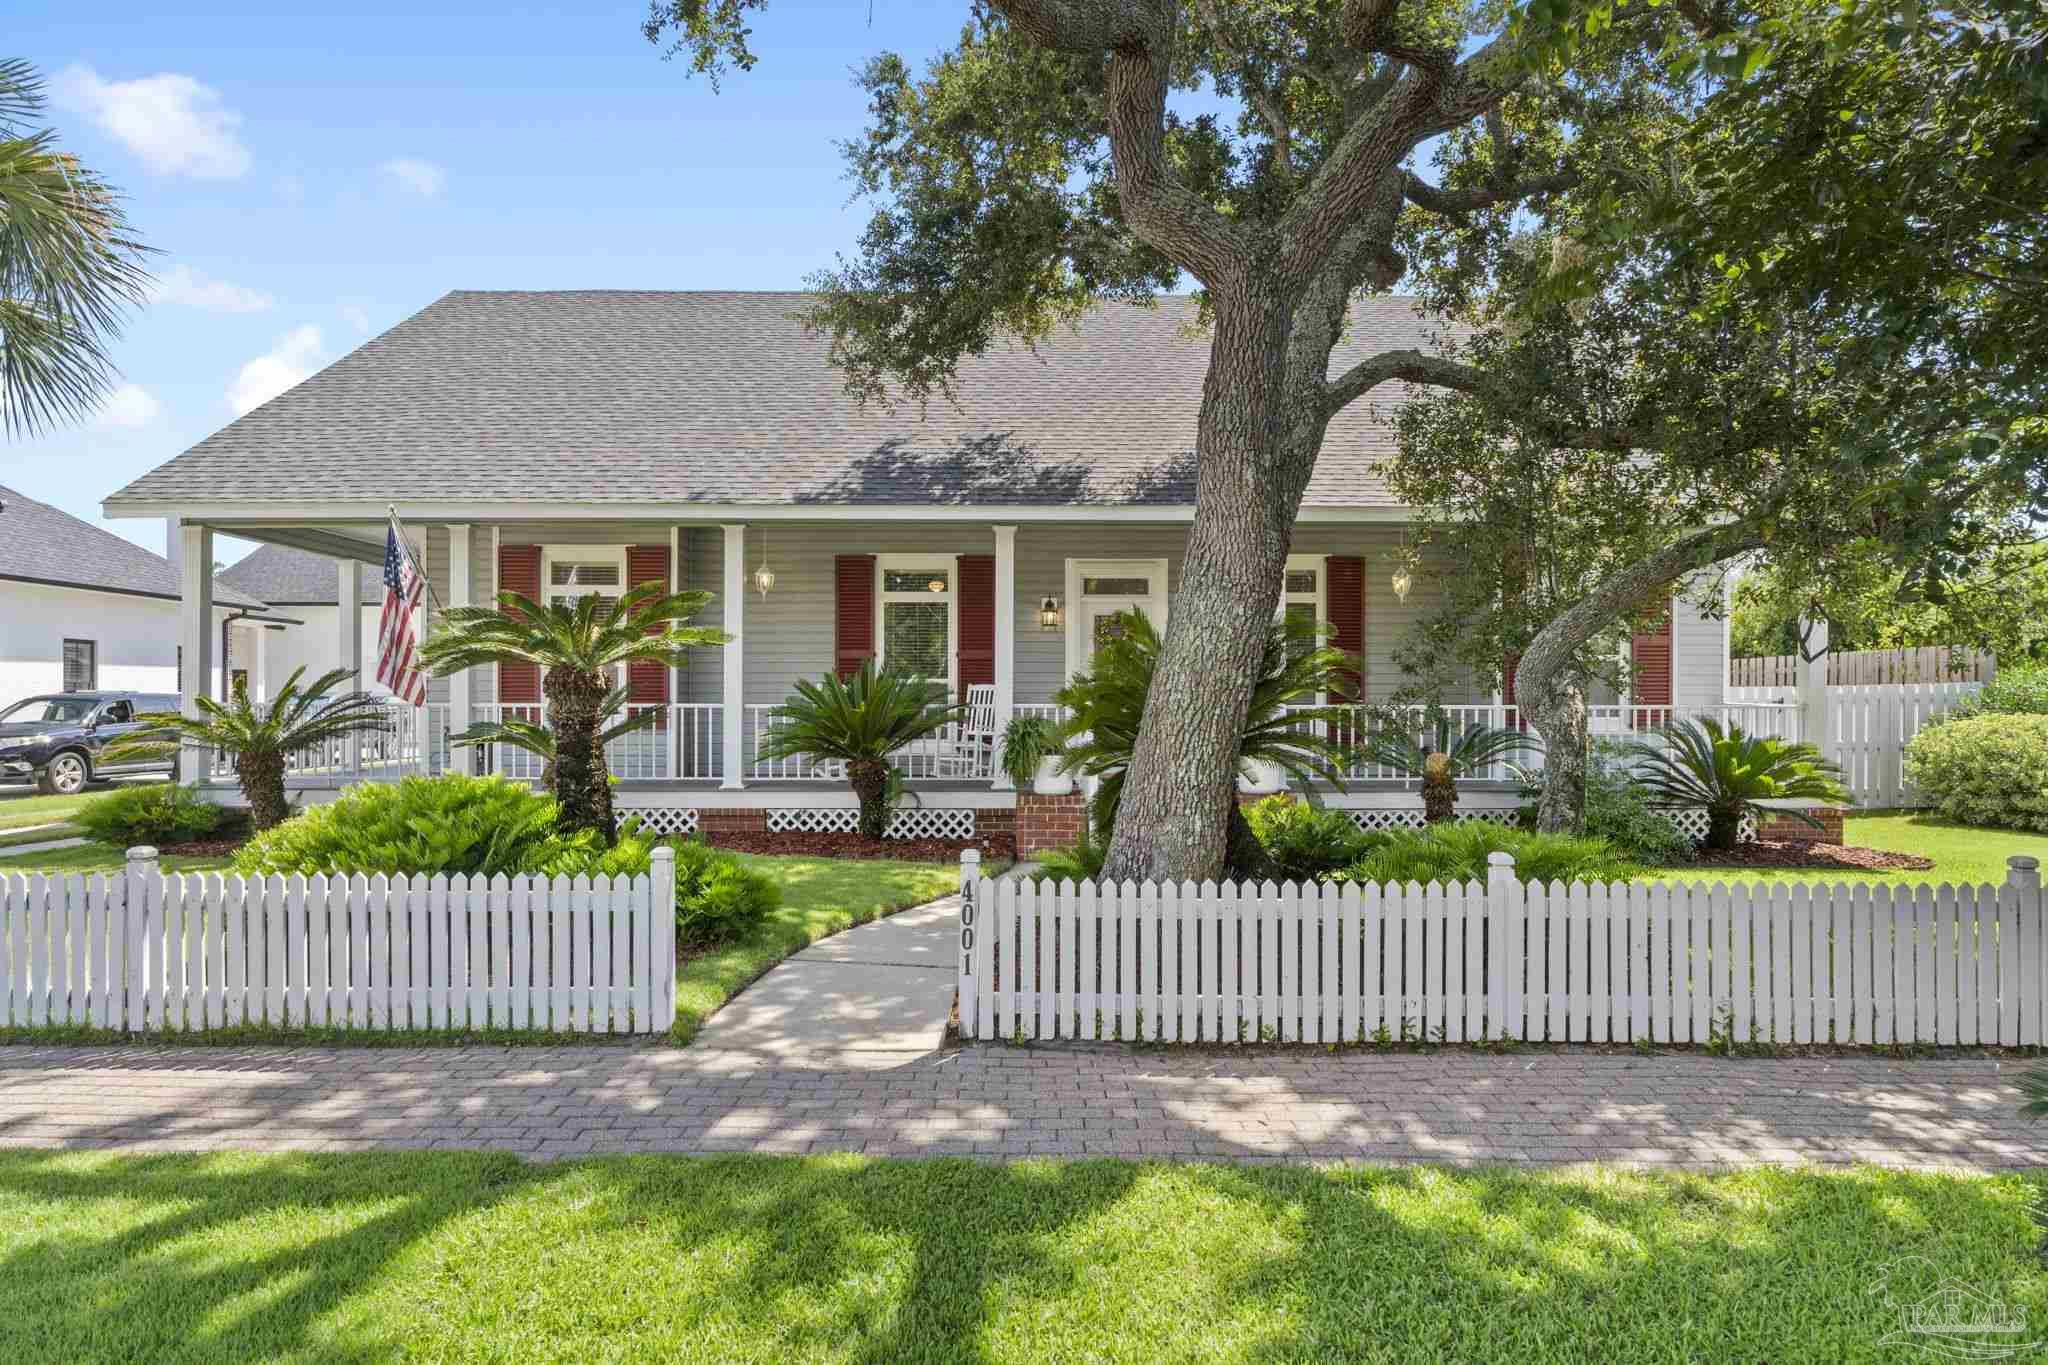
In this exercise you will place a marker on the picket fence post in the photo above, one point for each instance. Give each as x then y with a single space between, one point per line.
1504 949
969 988
145 885
662 906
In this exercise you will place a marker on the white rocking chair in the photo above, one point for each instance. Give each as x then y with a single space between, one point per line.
967 748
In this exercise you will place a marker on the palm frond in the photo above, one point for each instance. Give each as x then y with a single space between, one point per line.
870 715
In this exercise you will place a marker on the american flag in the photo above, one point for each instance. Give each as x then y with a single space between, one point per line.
397 651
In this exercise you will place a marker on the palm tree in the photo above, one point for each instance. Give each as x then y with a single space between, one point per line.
860 722
539 740
70 267
261 736
1440 766
1106 703
577 644
1730 772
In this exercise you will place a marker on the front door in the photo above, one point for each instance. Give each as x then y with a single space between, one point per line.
1104 619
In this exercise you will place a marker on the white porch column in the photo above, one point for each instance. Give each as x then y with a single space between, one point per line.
460 594
733 692
195 638
1813 688
348 616
1006 641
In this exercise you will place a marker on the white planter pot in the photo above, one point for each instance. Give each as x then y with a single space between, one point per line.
1051 781
1261 779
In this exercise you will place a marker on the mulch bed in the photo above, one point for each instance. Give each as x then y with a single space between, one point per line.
202 848
802 844
1805 853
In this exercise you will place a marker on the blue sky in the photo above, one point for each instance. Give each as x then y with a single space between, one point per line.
313 178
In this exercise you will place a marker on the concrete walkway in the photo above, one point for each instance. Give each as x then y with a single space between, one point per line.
875 996
1537 1108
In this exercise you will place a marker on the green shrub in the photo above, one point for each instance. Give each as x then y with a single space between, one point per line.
1304 842
480 826
718 897
1081 863
2019 691
163 813
1984 770
1446 852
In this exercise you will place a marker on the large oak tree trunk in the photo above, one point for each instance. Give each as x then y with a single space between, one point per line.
1253 454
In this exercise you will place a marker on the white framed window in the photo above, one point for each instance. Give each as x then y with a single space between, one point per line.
569 573
1099 591
1305 596
917 615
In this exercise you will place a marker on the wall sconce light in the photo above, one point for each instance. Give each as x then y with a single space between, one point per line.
1049 614
764 577
936 585
1402 582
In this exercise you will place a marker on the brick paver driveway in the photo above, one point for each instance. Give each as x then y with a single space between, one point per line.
1545 1107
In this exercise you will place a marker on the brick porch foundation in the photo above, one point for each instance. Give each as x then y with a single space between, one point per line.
1044 823
1785 827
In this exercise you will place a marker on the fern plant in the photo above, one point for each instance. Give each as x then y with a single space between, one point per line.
577 645
1729 773
260 737
860 721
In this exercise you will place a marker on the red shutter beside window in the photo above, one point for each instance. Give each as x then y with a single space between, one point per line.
977 645
1345 594
1652 654
647 681
853 634
519 571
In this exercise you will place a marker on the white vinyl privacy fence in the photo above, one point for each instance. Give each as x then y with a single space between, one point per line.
1657 962
146 951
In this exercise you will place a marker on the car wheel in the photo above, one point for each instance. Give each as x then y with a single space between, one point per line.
66 774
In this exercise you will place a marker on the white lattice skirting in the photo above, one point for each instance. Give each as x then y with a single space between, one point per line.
915 823
664 821
1691 822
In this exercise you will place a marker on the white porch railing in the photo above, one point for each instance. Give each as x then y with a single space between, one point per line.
393 741
683 742
949 754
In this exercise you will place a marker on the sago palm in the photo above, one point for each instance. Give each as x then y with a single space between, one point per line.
1106 702
1729 773
538 740
860 722
1440 765
576 645
260 737
70 268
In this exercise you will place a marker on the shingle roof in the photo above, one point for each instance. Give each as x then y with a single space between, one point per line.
41 544
286 577
619 396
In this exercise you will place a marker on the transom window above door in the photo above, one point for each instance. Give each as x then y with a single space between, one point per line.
1102 595
916 610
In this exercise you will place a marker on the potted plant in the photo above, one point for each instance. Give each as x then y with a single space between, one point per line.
1032 756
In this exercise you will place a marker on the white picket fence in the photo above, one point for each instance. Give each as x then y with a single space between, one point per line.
1658 962
148 951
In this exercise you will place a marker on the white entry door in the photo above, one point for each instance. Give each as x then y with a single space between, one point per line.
1099 592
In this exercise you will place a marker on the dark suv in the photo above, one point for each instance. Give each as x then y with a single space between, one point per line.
57 741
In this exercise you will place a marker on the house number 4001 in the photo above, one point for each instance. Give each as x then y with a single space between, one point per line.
967 926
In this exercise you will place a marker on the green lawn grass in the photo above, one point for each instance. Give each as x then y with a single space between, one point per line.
97 858
448 1256
1961 853
19 810
820 896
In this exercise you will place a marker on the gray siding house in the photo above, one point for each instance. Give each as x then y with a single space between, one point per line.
575 442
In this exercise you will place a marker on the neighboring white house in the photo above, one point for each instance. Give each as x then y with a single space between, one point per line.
300 588
82 609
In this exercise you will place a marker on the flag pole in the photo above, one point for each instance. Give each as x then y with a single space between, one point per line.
398 529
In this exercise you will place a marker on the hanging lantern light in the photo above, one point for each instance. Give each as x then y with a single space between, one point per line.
764 577
1402 582
1049 614
937 585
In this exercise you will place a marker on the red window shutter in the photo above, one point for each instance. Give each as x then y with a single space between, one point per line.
977 645
1345 594
519 571
853 634
1651 651
1511 661
647 681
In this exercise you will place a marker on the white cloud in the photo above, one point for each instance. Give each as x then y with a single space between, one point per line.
183 284
421 177
130 405
173 123
356 317
295 356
